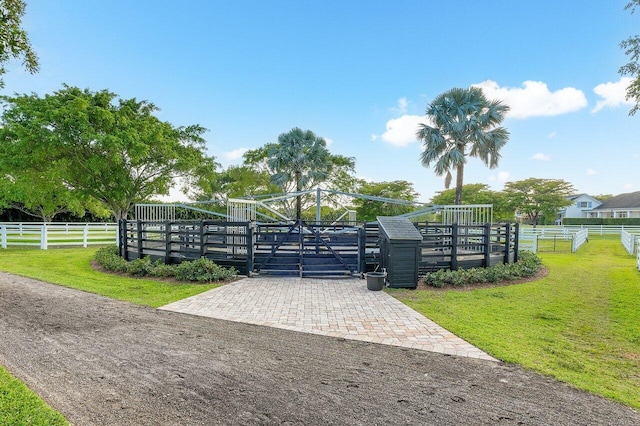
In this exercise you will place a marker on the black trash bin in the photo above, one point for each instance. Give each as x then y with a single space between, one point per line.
376 280
400 251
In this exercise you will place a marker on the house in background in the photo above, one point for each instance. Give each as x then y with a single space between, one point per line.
582 206
620 206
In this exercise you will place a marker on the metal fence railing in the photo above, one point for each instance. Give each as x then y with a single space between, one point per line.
43 235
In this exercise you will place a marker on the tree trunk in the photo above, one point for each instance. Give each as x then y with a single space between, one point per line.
459 182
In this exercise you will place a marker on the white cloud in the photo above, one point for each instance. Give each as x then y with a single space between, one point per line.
401 131
628 186
535 99
374 137
613 94
402 106
235 154
541 157
502 177
328 141
591 172
551 135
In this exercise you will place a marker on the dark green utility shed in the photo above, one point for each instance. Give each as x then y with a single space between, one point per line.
399 251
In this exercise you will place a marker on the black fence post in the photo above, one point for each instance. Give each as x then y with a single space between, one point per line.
362 245
487 245
454 246
202 245
122 239
249 241
167 241
516 244
139 231
507 242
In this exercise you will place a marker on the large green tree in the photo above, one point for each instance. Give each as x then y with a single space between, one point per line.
39 194
478 193
299 161
110 149
631 48
465 124
367 209
538 198
14 42
234 182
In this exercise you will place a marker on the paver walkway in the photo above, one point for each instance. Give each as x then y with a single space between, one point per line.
331 307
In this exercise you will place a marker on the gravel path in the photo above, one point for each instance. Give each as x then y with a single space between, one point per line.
105 362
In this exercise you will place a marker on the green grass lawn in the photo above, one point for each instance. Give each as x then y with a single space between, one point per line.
20 406
71 267
580 324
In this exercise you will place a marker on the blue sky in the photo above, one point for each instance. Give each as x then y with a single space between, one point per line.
360 74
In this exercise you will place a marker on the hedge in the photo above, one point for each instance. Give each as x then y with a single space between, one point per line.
633 221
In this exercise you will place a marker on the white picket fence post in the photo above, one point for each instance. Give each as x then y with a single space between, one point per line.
4 236
43 237
85 236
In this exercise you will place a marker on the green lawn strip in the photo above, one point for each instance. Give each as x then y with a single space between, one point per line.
579 324
71 267
20 406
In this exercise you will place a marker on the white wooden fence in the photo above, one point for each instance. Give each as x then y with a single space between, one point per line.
638 254
529 237
43 235
528 242
579 238
628 241
593 229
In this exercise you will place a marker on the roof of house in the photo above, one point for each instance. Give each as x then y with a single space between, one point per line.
622 201
576 196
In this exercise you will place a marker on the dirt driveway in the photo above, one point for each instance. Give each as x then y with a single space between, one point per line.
105 362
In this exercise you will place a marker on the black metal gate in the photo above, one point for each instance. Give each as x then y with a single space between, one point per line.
309 249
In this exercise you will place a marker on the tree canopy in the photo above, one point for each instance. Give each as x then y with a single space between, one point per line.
103 147
14 42
631 48
478 193
299 161
465 123
537 198
397 190
234 182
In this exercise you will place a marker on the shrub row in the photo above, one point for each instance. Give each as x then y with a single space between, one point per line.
630 221
201 270
528 265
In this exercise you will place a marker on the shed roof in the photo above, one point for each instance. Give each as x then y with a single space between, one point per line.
399 228
623 201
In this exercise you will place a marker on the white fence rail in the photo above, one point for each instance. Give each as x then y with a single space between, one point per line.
43 235
529 238
638 254
628 241
593 229
528 242
579 238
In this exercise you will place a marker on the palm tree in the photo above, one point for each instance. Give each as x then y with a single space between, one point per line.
465 123
302 157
